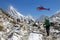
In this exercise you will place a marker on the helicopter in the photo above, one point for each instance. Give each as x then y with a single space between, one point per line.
43 8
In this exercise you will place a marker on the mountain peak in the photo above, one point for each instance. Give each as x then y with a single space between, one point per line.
11 7
56 17
30 17
41 18
58 11
13 12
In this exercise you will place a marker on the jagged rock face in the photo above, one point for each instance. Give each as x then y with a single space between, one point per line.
29 19
11 28
6 24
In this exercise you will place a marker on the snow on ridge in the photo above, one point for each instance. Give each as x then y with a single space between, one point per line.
56 16
29 17
14 12
34 36
58 11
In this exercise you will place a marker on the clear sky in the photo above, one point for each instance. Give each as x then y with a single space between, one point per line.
29 7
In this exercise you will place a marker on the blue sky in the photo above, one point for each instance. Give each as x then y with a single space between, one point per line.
29 7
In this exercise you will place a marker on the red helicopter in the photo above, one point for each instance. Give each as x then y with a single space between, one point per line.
42 8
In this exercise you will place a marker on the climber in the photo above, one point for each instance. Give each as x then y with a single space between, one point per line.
47 25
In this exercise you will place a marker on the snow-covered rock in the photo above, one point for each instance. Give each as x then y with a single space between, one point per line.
56 17
13 12
35 36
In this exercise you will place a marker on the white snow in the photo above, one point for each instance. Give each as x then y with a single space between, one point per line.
29 17
54 30
23 32
2 38
42 27
35 36
57 11
16 37
5 23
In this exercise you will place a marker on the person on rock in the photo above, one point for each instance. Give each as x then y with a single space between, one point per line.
47 25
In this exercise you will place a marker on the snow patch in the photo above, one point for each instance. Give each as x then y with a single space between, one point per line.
35 36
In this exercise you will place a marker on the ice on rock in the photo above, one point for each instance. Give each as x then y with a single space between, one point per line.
16 37
34 36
